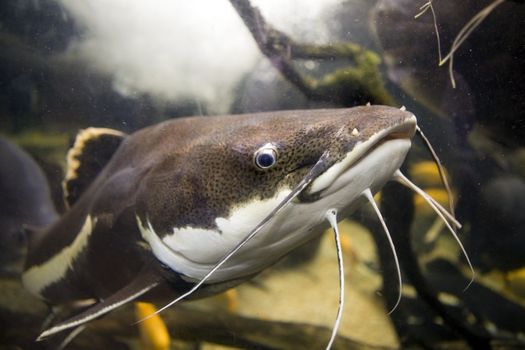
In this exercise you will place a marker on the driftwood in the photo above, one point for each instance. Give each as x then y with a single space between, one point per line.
357 83
21 319
190 324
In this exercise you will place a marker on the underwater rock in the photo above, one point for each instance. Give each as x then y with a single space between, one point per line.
25 203
488 66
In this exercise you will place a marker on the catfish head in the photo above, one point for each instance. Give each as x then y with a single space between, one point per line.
217 179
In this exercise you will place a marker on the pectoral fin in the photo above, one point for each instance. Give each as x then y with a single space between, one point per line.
145 281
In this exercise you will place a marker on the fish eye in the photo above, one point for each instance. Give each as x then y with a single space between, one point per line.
265 157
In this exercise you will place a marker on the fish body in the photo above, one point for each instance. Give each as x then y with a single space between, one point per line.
26 202
177 197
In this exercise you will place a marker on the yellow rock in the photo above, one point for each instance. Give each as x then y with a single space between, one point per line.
440 195
153 332
232 299
426 173
516 282
346 244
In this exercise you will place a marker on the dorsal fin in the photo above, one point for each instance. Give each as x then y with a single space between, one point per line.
92 150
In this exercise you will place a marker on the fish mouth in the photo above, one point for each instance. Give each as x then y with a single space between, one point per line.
387 148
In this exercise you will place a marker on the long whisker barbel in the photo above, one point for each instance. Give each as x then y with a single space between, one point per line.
370 197
440 211
331 216
441 170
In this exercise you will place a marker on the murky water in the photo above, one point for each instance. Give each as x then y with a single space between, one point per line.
126 65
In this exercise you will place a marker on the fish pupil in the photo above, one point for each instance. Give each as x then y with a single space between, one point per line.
265 160
265 157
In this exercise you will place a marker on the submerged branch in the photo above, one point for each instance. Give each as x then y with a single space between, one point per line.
356 84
